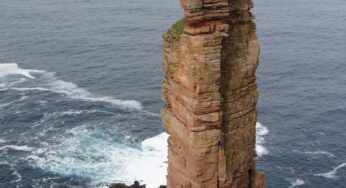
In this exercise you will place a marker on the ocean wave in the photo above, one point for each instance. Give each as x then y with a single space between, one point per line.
59 114
151 166
9 103
320 153
296 182
332 174
2 140
46 81
91 154
11 82
7 69
16 147
5 163
14 173
261 131
151 113
18 176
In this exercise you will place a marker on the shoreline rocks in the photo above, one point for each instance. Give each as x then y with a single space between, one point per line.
134 185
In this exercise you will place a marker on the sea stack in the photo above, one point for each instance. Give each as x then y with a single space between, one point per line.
210 94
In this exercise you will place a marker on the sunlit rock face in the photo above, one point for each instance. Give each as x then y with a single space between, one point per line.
210 94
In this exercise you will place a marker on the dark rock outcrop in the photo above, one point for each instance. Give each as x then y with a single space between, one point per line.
121 185
135 185
210 95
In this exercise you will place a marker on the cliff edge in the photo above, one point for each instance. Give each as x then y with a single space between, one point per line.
210 95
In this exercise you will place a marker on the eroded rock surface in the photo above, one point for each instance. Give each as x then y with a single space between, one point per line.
121 185
134 185
210 95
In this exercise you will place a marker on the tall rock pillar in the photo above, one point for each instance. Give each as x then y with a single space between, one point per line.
210 95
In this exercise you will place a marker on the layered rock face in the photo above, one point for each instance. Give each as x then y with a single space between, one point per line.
210 95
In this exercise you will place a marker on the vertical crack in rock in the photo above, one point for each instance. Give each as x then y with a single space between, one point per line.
210 94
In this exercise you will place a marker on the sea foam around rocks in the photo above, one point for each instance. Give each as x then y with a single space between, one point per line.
105 162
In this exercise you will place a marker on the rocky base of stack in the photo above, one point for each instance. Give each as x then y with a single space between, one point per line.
135 185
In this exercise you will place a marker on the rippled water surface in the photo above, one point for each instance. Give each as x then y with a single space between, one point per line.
80 85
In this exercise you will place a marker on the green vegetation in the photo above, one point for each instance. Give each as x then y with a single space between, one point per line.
173 34
178 27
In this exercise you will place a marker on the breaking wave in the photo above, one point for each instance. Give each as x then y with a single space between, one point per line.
332 174
320 153
18 148
94 155
261 131
88 152
7 69
296 182
46 81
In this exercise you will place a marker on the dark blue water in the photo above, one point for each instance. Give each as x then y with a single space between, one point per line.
80 85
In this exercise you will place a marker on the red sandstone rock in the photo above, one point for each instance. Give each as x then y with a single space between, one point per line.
210 95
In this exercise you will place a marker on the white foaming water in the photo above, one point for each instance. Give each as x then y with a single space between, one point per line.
7 69
296 182
150 166
60 114
9 103
332 174
72 113
48 82
92 154
18 148
261 131
320 153
2 140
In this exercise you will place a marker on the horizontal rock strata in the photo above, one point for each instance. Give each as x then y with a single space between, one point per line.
210 95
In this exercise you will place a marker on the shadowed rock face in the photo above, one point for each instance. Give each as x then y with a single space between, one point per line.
210 95
134 185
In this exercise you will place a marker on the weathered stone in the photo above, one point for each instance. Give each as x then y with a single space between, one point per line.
121 185
210 94
260 180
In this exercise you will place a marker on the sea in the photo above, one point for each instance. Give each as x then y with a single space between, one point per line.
80 86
